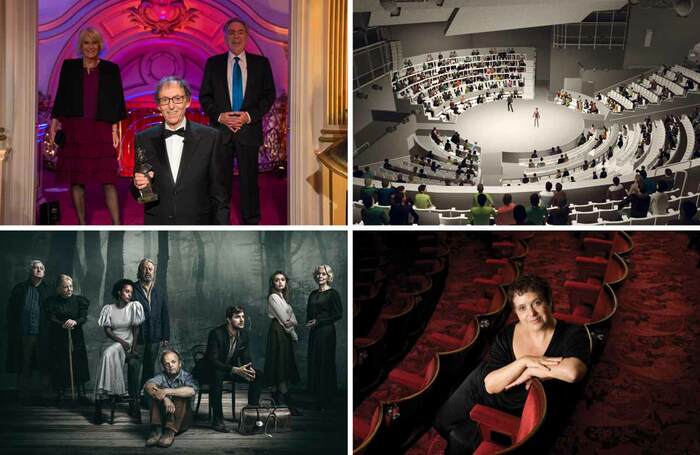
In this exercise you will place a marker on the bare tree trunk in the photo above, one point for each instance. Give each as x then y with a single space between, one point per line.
199 275
114 270
95 267
162 262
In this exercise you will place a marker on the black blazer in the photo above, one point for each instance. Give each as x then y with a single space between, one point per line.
217 349
111 106
201 194
258 98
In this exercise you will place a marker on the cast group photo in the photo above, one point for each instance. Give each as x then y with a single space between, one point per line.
128 358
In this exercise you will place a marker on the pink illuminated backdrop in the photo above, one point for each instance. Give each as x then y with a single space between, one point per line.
150 39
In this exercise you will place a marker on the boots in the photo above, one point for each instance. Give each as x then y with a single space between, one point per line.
135 410
99 418
293 410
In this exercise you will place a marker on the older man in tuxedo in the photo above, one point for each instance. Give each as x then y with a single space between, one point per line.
188 165
237 91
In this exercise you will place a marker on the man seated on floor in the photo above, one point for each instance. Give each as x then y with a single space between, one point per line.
171 408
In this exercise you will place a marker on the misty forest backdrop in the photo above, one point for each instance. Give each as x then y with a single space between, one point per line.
203 272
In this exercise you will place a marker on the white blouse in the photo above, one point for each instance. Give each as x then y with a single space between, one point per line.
278 308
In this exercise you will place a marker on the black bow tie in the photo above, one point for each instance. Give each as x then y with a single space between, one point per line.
167 133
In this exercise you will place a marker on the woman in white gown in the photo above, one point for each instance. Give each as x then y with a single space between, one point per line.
120 320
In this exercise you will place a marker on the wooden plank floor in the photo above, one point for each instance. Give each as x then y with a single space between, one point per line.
69 430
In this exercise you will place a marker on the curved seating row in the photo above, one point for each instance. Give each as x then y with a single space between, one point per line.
446 347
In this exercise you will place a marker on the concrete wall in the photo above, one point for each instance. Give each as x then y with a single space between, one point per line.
672 38
568 63
378 100
391 145
602 78
419 39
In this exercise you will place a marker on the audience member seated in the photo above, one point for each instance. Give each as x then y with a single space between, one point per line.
475 196
422 199
401 208
520 215
373 215
504 214
536 213
356 172
603 173
553 351
560 215
368 189
525 179
639 203
546 194
688 211
616 191
481 213
435 135
559 194
659 199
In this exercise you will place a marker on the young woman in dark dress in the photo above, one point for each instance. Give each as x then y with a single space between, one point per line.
280 365
88 106
67 313
537 346
323 309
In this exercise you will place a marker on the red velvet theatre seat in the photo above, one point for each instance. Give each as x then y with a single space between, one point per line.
413 381
363 431
521 429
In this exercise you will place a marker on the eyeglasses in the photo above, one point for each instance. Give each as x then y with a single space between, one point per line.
164 101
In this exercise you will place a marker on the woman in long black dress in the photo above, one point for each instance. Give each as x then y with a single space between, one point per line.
537 346
280 365
323 309
67 314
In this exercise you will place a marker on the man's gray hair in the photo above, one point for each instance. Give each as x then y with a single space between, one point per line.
231 21
35 262
173 80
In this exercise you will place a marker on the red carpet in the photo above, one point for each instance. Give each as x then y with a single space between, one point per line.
643 394
273 202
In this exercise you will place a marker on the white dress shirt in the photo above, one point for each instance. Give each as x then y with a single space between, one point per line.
174 145
243 63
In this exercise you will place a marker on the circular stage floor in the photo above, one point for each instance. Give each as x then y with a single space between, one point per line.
497 130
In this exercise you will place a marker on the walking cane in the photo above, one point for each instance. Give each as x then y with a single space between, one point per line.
70 363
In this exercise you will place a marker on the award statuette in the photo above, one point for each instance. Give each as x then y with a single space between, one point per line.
142 166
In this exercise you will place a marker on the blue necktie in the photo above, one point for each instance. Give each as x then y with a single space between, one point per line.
237 82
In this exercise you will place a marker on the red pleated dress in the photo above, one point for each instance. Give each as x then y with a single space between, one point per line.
88 155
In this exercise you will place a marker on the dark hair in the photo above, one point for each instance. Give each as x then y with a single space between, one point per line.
507 198
172 80
519 214
534 199
271 288
231 21
688 209
559 186
616 180
421 187
119 285
234 309
368 200
548 186
481 199
169 351
531 283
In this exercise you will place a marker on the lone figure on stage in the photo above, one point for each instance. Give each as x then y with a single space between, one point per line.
237 90
509 100
536 116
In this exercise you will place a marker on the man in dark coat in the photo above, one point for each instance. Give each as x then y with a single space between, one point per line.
27 329
237 90
155 330
228 359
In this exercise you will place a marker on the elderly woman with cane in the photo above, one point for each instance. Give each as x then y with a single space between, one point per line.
67 314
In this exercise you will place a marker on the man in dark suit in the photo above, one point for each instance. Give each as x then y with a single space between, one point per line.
229 359
237 91
155 330
188 165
